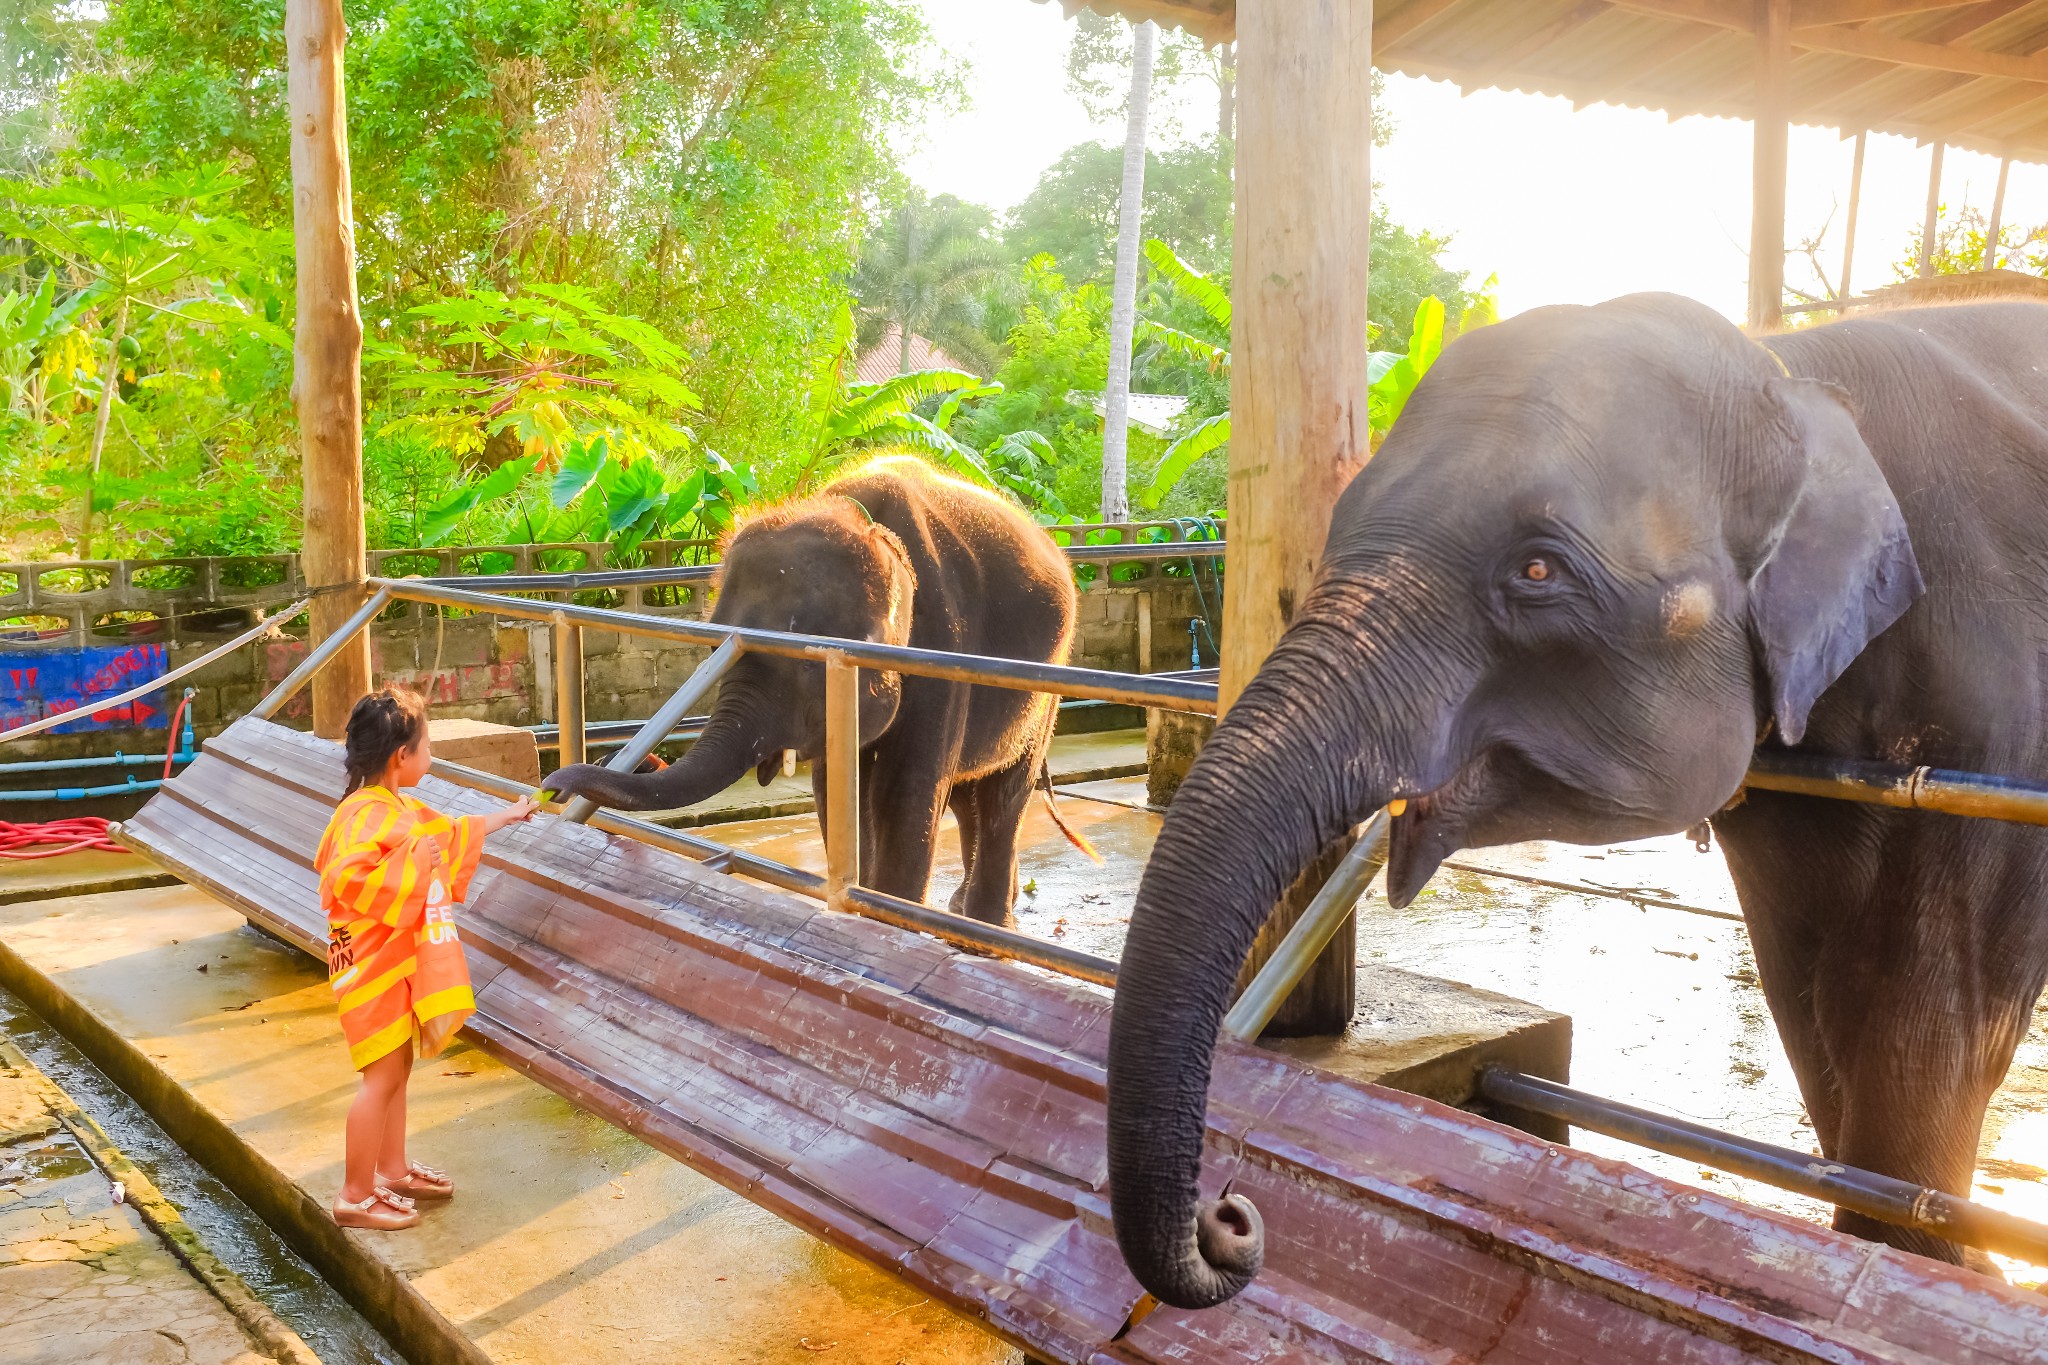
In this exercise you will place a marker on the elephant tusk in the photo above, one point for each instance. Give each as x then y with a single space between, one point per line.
789 763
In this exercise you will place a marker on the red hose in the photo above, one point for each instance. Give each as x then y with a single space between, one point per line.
23 842
177 717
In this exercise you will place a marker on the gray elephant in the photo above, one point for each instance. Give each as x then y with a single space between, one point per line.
1606 554
893 553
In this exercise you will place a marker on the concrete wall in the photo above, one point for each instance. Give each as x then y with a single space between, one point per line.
503 671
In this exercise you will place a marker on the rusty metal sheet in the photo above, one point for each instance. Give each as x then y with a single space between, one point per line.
941 1115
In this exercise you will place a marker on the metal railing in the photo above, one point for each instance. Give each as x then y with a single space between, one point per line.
1882 1197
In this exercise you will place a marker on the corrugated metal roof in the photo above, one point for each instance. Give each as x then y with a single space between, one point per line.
884 359
1973 74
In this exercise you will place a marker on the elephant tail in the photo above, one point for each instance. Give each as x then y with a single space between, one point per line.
1052 808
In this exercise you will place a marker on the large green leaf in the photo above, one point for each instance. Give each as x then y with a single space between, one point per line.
1185 344
1190 281
581 461
1393 383
640 489
1182 454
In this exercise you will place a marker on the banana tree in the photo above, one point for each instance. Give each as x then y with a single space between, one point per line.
1392 375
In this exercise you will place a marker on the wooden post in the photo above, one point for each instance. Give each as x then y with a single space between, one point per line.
1298 362
1767 166
1849 231
842 778
1991 229
327 355
1144 632
569 715
1933 213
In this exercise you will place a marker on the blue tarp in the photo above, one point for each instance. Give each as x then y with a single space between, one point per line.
35 683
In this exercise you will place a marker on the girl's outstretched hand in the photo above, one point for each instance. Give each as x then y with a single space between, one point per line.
516 813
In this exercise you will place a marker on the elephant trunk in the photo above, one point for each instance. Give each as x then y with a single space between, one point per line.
734 741
1329 730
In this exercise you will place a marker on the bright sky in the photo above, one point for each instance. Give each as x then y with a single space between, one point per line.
1565 207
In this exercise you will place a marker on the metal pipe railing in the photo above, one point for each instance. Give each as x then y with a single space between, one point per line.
657 729
571 725
1311 933
317 657
1943 790
585 580
1161 693
1882 1197
971 935
841 786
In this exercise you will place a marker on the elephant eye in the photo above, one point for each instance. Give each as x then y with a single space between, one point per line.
1537 570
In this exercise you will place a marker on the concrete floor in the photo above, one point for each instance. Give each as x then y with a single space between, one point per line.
570 1241
1666 1009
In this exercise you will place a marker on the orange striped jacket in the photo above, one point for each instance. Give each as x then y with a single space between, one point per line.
391 870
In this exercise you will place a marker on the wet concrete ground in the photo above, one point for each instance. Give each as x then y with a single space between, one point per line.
82 1277
1667 1012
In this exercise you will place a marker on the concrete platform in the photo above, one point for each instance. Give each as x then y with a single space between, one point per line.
74 874
569 1242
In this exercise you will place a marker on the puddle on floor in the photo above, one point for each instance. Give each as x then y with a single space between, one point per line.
1667 1012
298 1296
57 1158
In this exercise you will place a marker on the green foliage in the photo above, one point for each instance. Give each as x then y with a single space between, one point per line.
545 367
1071 215
928 271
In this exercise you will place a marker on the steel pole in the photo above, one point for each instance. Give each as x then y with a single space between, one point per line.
571 728
320 654
1866 1192
579 810
1305 942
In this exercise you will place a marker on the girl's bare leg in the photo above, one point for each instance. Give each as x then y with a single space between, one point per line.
391 1162
363 1139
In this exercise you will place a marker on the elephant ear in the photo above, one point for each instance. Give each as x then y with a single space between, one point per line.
1843 567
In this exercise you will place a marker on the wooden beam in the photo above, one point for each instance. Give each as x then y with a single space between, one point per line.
1404 21
1298 359
1767 209
1883 47
327 350
1991 229
1849 229
1806 13
1933 214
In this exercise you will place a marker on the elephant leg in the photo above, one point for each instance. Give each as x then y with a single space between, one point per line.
968 816
1797 871
902 797
989 893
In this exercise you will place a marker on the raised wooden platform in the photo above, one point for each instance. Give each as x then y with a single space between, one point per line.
941 1115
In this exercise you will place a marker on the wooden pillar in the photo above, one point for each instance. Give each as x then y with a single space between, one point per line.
327 355
1933 220
1298 357
1992 228
1767 166
1849 231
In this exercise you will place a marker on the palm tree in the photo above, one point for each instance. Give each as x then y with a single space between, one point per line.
926 271
1116 498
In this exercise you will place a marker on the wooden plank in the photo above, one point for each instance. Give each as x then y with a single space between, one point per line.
1808 13
1404 20
944 1119
1298 370
1843 291
327 350
1767 211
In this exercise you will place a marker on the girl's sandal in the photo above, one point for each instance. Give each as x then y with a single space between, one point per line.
383 1211
419 1182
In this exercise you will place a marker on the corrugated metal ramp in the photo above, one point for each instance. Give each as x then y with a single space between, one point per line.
941 1115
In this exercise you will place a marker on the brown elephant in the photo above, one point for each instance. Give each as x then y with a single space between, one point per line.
899 554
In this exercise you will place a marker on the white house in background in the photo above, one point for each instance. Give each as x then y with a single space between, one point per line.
884 360
1150 412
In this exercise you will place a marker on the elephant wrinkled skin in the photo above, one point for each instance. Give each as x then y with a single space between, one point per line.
1606 553
897 554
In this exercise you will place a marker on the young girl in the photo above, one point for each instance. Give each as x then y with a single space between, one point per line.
391 871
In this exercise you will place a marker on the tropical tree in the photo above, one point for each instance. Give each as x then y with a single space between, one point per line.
1393 375
1116 501
926 271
